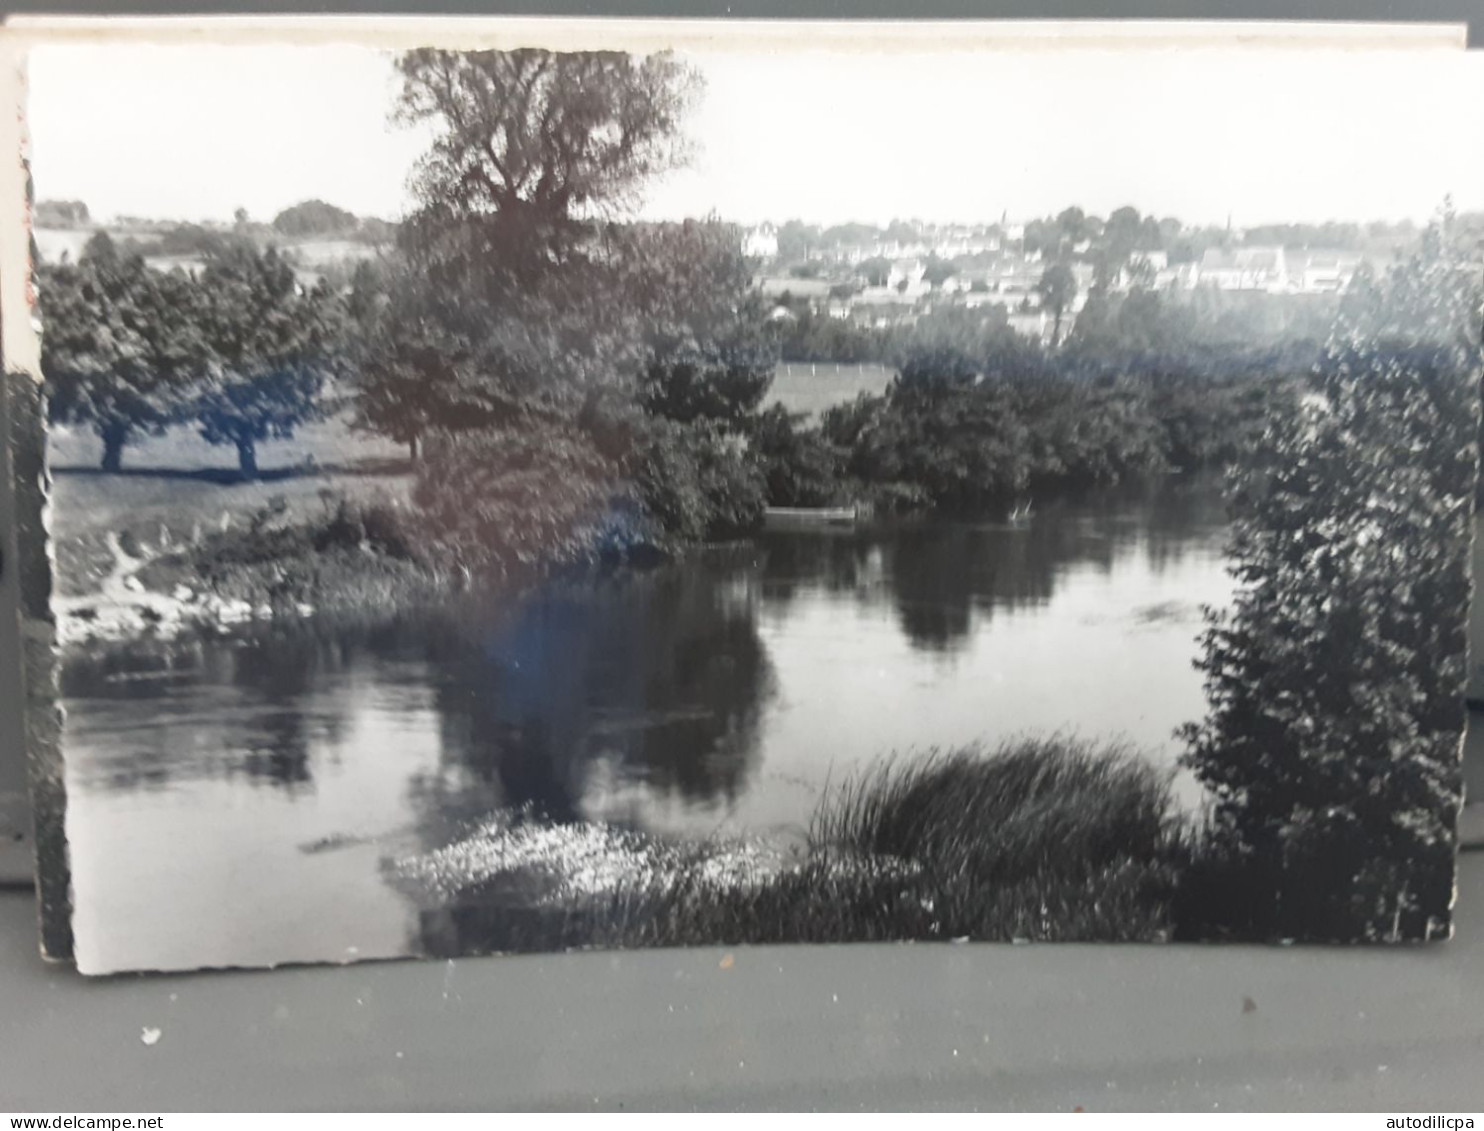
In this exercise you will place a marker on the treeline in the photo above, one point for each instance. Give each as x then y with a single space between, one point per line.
970 430
1073 226
1139 319
306 221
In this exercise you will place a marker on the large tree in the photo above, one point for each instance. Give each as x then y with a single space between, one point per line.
537 141
273 347
538 323
518 278
120 346
516 292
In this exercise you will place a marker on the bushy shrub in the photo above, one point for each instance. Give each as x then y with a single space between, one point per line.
962 429
697 482
513 501
801 467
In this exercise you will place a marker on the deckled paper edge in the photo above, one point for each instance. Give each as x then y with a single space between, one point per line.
30 485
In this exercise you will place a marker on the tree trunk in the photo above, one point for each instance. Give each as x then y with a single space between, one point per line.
113 448
413 451
247 458
1056 330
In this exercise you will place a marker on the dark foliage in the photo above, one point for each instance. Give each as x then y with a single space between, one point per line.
272 348
314 218
122 347
698 482
966 428
1336 680
801 467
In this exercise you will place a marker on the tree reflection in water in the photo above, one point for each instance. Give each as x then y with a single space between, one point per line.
942 574
256 724
656 681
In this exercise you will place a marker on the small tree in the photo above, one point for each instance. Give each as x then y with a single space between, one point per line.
708 352
273 348
411 381
1058 289
120 347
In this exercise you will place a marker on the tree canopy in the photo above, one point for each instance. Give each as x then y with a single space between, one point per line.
272 346
121 346
536 138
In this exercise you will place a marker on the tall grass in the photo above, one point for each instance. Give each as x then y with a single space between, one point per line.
1028 807
1039 839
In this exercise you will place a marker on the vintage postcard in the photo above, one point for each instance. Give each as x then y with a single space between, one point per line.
520 486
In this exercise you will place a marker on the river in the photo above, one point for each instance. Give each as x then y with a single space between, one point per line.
243 800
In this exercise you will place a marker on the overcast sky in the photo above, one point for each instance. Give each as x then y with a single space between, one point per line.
1258 134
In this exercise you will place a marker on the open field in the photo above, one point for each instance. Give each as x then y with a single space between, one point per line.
809 387
176 487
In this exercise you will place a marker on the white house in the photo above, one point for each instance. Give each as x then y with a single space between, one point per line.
1327 272
761 242
1245 269
906 277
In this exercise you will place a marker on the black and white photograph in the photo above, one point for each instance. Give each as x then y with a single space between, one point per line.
613 490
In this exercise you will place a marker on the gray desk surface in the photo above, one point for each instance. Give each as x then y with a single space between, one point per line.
995 1027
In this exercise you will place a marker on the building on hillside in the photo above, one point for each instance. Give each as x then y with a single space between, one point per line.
1038 325
879 308
1086 275
908 277
1245 269
775 286
1154 261
973 300
1326 272
761 242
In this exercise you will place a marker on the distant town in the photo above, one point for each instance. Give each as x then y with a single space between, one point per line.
887 277
1041 273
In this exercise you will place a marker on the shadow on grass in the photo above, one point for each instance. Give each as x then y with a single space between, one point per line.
230 477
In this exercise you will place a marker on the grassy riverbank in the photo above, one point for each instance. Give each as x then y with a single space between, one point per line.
178 539
1048 839
177 488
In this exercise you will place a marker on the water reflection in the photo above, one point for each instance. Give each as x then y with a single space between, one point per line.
942 576
653 684
254 787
